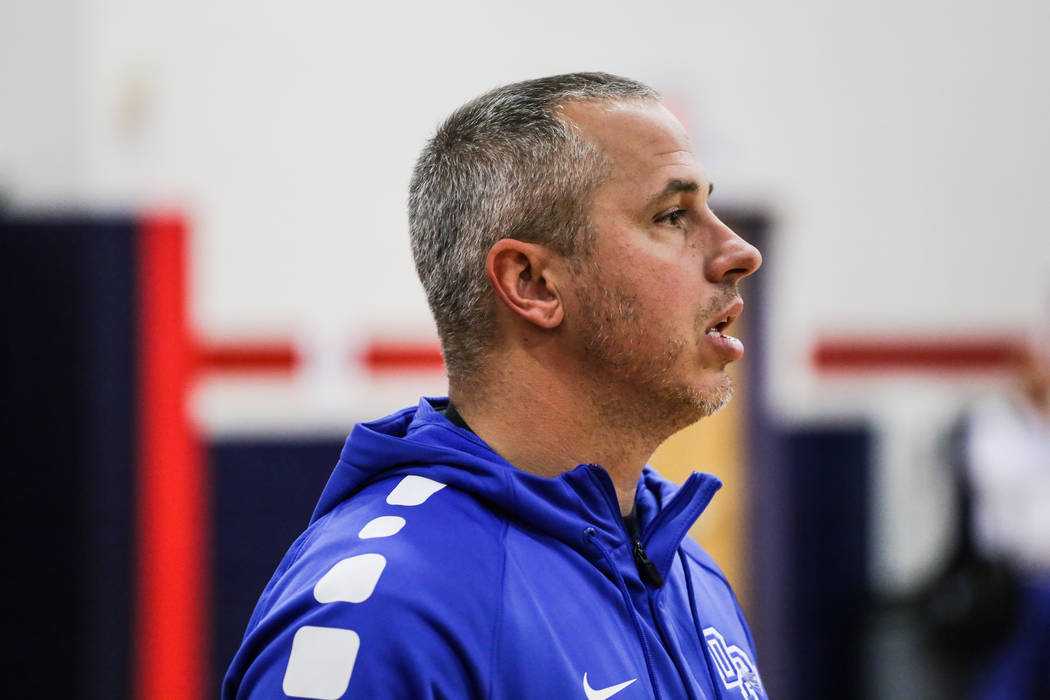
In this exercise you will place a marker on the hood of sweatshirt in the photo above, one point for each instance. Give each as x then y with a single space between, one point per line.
571 507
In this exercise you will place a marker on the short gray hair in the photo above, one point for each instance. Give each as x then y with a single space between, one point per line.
503 165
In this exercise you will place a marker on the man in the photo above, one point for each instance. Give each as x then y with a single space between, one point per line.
510 542
1006 471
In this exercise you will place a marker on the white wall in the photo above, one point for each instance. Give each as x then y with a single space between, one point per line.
902 147
39 112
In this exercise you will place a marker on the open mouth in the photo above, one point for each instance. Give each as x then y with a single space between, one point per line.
727 318
722 325
728 346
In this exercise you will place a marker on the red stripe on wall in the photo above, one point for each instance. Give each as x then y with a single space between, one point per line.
171 628
276 357
381 357
933 354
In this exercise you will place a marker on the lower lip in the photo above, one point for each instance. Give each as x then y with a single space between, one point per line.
726 345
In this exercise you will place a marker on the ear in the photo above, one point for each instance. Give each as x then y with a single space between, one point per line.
524 278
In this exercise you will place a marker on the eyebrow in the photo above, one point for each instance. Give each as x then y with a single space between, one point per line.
676 186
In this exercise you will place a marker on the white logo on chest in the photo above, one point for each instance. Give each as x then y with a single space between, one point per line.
602 693
735 667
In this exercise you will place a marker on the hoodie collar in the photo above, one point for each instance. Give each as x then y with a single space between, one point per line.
419 440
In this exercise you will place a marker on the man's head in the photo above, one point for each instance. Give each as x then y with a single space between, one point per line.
505 165
592 254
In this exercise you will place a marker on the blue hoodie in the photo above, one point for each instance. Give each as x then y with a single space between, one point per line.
433 568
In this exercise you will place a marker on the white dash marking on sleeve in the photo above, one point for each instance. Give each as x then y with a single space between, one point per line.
321 662
383 526
352 580
413 490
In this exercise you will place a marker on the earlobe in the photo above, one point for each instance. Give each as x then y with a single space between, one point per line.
521 275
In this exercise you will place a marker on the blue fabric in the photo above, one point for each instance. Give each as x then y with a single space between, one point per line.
1020 669
501 584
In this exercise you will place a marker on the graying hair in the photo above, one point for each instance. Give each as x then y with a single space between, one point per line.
503 166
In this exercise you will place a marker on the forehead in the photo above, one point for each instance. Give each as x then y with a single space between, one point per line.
643 141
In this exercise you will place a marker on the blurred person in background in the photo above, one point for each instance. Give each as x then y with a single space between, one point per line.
1007 450
509 541
988 612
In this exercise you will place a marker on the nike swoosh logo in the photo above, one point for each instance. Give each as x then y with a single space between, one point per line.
603 693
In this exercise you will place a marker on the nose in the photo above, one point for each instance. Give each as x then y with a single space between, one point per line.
734 257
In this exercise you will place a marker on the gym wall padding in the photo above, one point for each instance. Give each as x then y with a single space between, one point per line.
70 429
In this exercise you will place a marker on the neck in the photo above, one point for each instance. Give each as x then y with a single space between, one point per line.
544 418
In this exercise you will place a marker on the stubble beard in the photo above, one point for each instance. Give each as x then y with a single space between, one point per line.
634 368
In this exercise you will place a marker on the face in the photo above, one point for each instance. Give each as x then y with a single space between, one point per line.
653 303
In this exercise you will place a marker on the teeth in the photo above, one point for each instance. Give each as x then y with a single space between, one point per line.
715 331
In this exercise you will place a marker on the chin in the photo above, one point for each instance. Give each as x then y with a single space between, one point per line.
709 400
688 403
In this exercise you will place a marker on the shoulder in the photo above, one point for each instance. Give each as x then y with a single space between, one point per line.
417 525
715 596
703 563
403 578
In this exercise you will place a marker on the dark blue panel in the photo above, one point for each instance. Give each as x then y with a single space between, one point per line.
68 417
264 493
827 593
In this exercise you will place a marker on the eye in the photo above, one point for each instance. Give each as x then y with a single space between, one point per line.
675 217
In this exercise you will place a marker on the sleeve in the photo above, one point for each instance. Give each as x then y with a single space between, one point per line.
400 617
395 649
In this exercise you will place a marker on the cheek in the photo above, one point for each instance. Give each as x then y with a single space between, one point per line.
670 292
664 283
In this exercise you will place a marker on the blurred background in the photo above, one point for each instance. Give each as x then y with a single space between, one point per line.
208 280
